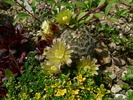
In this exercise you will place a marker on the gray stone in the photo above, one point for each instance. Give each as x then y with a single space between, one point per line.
112 76
103 54
118 95
115 53
118 61
116 88
112 46
118 47
130 61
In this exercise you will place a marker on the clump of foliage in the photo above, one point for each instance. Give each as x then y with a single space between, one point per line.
12 40
128 77
38 85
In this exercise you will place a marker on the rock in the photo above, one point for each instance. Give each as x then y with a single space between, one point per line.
118 61
123 97
114 70
103 54
115 53
118 47
112 46
112 76
130 61
106 60
116 88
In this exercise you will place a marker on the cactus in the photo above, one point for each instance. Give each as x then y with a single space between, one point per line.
80 42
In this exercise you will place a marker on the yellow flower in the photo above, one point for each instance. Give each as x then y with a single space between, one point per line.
88 66
58 54
74 91
72 97
50 69
101 92
81 87
37 96
80 78
60 92
24 95
64 17
46 27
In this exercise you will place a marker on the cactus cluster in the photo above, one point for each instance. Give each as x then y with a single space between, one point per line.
79 41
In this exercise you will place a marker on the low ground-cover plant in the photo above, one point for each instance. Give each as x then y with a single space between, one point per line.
128 76
38 84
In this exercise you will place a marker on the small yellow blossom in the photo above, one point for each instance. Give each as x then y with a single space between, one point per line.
60 92
80 78
37 96
101 92
71 97
24 95
74 91
88 88
81 87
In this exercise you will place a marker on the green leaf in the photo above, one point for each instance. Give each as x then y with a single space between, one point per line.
101 2
107 9
98 15
81 15
113 19
129 1
80 4
130 76
39 0
10 2
117 8
51 1
23 15
90 2
8 74
131 67
113 1
82 21
65 4
89 17
123 12
34 5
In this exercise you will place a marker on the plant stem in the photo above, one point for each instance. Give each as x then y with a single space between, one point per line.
28 11
93 11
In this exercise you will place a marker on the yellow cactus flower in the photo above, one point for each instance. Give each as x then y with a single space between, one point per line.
59 54
88 66
80 78
60 92
74 91
64 17
50 69
37 96
46 27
